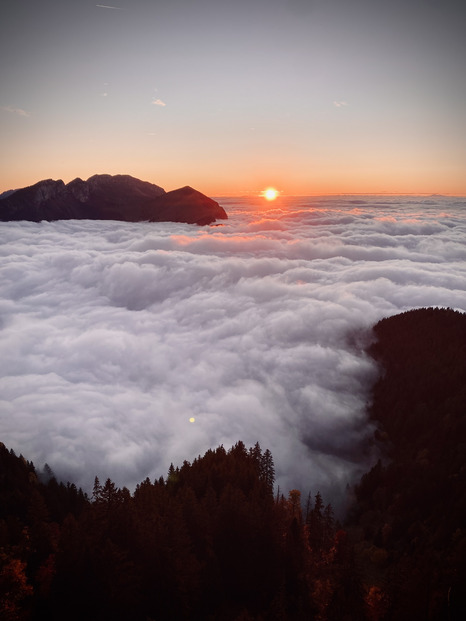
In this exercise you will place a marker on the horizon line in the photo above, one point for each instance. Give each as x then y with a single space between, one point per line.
258 193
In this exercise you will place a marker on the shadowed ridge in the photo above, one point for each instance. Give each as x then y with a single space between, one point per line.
188 205
31 202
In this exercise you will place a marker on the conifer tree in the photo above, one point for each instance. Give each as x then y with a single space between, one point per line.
267 470
96 490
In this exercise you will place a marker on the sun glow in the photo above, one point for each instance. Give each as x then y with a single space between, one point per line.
270 194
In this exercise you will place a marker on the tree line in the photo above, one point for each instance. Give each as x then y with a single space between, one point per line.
210 540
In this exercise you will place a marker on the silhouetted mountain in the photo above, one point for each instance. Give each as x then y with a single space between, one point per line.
187 205
107 197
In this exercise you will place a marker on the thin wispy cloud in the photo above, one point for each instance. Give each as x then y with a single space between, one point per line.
340 104
158 102
18 111
106 6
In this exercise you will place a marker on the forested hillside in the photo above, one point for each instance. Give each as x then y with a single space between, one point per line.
209 541
213 539
410 509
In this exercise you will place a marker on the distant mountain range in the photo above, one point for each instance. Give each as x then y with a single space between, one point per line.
108 197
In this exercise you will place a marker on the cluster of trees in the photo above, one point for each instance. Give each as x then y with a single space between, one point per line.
213 541
209 541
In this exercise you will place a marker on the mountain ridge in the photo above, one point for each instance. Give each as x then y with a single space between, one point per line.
108 197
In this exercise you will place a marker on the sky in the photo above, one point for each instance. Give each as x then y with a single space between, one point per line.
308 96
114 335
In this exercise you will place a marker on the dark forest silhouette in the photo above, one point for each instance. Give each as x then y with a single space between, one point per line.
214 540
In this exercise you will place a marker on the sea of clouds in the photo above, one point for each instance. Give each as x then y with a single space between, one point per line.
114 335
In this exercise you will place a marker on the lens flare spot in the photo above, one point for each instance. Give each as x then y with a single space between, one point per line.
192 419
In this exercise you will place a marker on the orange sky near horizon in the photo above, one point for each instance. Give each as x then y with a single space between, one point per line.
318 180
322 97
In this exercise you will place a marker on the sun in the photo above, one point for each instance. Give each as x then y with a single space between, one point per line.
270 194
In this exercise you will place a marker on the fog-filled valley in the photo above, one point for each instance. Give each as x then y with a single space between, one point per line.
214 539
128 346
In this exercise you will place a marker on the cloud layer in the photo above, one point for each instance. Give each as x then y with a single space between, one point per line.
114 335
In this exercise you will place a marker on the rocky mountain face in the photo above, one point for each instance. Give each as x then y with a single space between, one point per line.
108 197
